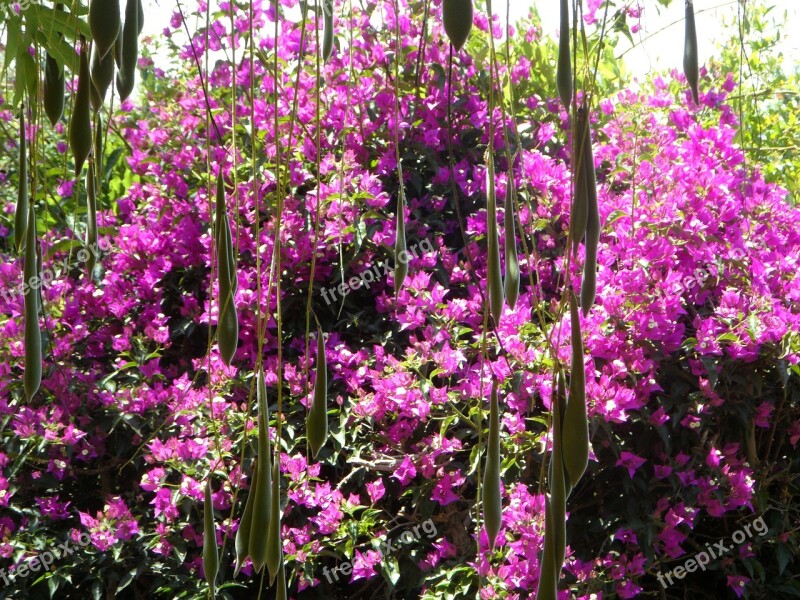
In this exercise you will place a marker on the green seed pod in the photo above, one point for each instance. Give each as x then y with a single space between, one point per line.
140 17
274 541
39 273
262 483
54 86
690 60
80 123
210 550
561 399
98 152
564 66
126 77
281 592
580 203
228 321
589 282
492 498
21 214
242 541
317 418
493 246
511 280
327 36
32 378
91 220
557 484
548 576
118 55
53 89
575 431
104 21
400 252
101 71
457 21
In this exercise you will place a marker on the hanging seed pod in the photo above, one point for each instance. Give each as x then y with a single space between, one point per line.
327 36
564 66
140 17
104 22
98 152
242 540
32 378
91 220
548 576
80 123
228 322
274 542
492 498
53 89
126 77
117 51
210 550
561 399
281 592
317 418
511 280
493 246
558 492
575 431
262 482
101 71
21 214
457 21
589 281
39 273
400 252
580 203
690 60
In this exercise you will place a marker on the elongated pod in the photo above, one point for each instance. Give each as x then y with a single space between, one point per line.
32 378
101 70
54 87
242 541
493 275
317 418
564 66
210 549
274 542
511 279
21 211
690 60
104 22
80 123
491 496
589 281
126 77
228 321
575 431
558 491
548 576
262 483
91 220
457 21
400 251
580 201
327 34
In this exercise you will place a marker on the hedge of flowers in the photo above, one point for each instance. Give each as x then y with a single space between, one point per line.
692 378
